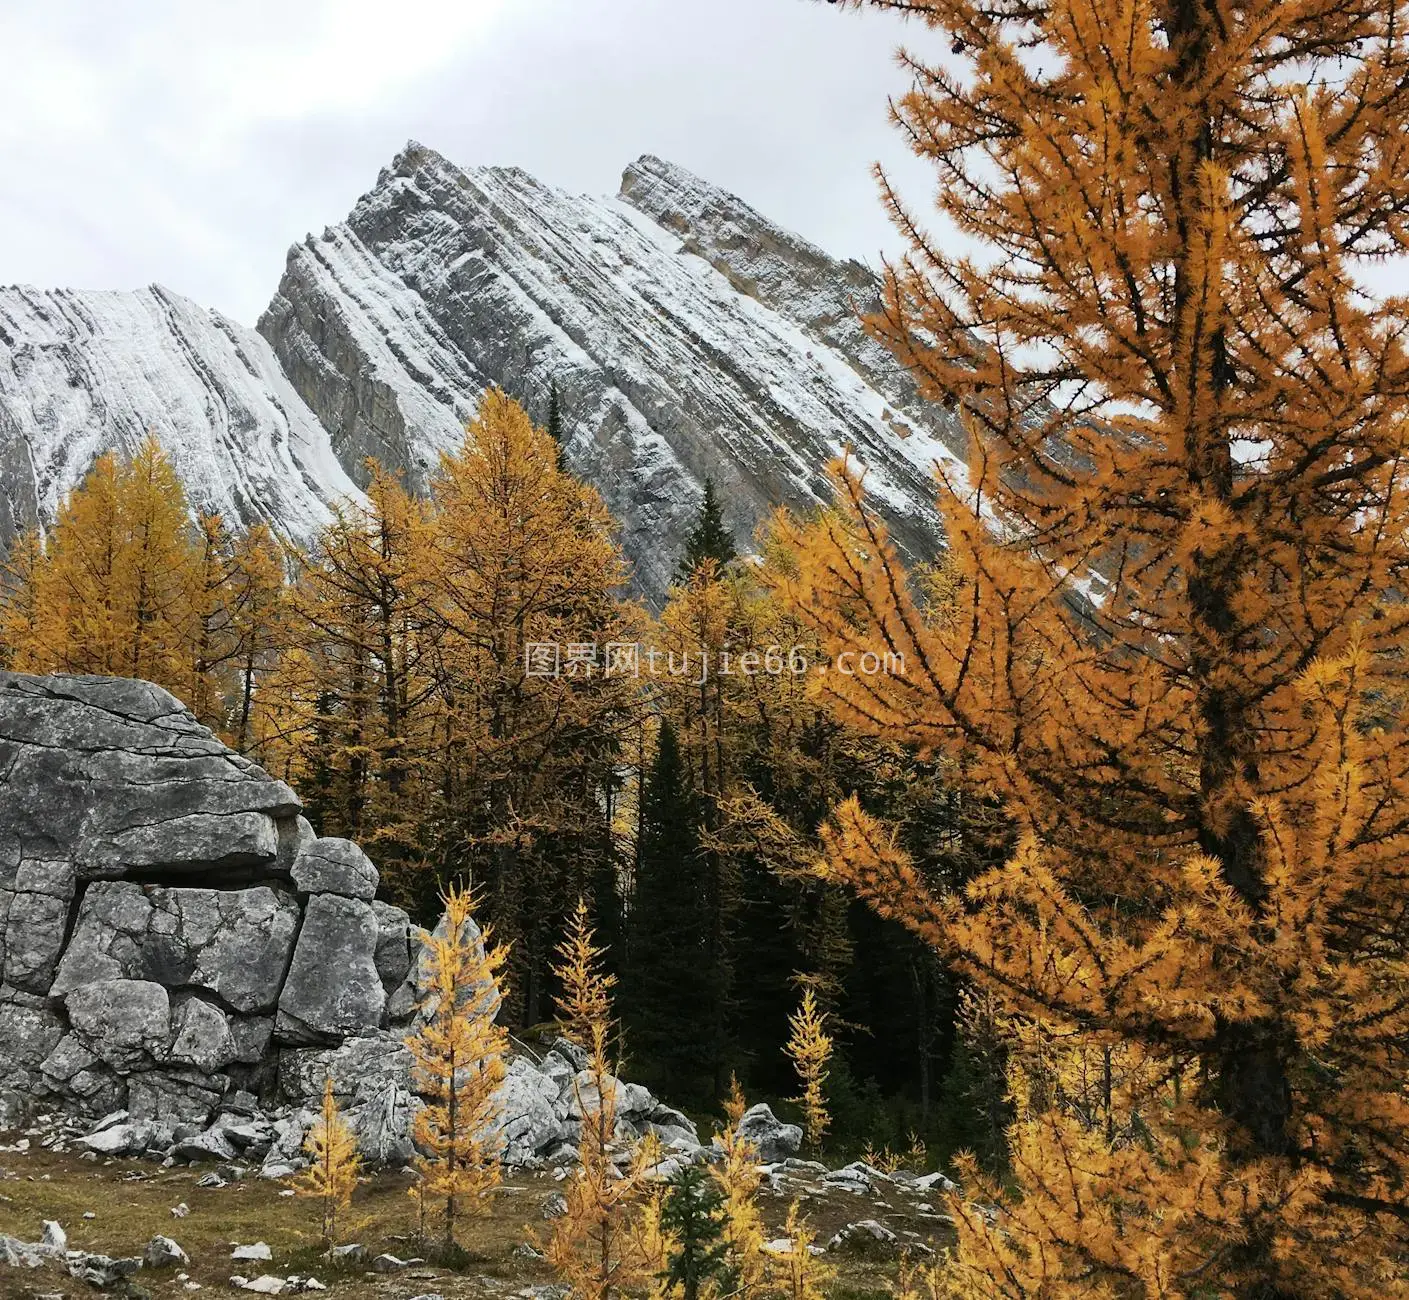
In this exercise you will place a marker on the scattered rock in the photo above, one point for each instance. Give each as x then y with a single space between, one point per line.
55 1238
555 1206
163 1252
388 1264
257 1251
768 1135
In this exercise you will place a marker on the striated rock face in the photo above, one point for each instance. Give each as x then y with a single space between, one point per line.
86 372
688 335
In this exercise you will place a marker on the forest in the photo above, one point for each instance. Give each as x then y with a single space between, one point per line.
1104 896
393 675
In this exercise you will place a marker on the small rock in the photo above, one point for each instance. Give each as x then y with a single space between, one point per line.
54 1236
88 1214
352 1253
162 1252
267 1284
211 1179
180 1211
526 1250
258 1251
388 1264
555 1206
866 1237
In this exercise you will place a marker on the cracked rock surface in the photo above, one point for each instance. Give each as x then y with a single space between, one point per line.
170 926
185 962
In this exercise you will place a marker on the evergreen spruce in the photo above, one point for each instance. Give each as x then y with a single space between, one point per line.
555 425
710 539
693 1214
669 990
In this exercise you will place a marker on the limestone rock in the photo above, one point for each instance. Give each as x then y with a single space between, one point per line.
233 943
335 866
200 1036
175 1096
525 1099
125 1023
163 1252
113 775
770 1137
393 955
333 989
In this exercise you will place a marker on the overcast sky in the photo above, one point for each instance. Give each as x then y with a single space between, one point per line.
190 144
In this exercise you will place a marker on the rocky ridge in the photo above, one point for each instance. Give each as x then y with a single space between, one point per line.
688 335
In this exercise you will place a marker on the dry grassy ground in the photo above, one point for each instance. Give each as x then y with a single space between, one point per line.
130 1201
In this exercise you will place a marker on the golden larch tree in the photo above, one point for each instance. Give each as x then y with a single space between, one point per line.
257 612
600 1245
458 1053
522 574
737 1172
334 1165
115 587
798 1273
809 1047
1174 648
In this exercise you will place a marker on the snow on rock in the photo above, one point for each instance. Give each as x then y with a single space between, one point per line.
688 336
82 373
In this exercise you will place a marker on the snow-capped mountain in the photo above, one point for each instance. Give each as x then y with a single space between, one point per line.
687 335
85 372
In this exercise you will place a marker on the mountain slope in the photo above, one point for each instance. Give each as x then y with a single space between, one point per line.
688 337
85 372
687 334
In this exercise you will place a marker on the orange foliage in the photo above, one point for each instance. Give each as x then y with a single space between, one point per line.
1172 643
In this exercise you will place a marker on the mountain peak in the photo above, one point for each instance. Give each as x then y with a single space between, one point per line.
689 337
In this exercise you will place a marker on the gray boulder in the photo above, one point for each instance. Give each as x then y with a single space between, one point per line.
360 1068
34 906
393 955
526 1101
233 943
113 775
163 1252
200 1036
175 1096
334 866
768 1135
333 989
124 1023
383 1126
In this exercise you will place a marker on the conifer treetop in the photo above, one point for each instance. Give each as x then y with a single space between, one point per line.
1173 648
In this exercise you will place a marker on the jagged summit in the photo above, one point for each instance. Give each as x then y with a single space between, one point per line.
688 337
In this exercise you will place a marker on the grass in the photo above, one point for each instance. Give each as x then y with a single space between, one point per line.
131 1201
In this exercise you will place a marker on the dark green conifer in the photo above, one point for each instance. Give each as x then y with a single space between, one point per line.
693 1213
668 992
710 539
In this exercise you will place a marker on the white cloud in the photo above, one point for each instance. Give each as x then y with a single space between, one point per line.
191 144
